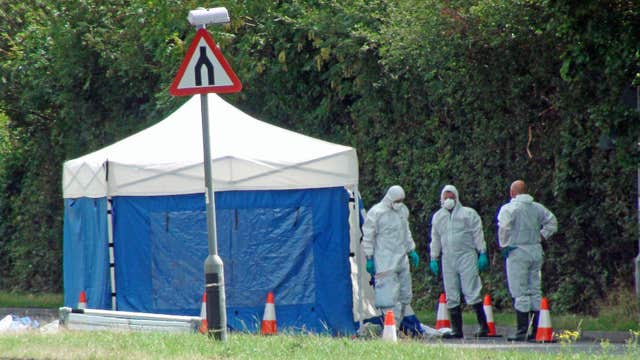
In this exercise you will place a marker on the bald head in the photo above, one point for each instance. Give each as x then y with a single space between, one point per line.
517 187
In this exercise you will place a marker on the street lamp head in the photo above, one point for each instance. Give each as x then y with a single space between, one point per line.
201 16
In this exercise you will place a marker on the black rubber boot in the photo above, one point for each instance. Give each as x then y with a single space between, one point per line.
522 325
535 316
456 324
483 330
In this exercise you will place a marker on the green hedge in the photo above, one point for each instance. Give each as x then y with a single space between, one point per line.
473 93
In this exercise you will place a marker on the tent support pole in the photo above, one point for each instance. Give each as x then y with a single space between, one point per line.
112 258
356 202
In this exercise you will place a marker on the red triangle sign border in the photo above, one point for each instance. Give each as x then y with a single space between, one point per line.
236 86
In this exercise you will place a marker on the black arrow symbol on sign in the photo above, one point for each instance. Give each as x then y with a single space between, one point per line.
204 61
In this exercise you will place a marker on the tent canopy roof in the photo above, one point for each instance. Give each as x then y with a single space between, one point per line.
247 154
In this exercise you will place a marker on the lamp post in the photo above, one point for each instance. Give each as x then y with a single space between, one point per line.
213 266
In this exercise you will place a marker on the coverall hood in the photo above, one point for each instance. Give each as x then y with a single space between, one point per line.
524 198
452 189
394 194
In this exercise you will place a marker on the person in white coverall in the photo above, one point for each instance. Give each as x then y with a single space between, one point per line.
522 225
386 243
456 232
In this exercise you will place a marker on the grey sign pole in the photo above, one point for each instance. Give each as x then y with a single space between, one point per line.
213 267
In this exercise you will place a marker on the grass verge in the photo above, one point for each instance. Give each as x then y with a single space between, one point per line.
619 312
604 322
22 300
140 346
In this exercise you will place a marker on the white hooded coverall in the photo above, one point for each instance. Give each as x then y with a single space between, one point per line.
521 224
387 237
458 235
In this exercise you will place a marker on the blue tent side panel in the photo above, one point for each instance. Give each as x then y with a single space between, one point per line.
86 252
292 242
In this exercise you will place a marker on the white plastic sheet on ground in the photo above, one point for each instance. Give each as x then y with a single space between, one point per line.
372 331
12 323
51 328
429 331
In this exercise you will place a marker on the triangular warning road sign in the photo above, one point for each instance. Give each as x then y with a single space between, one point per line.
204 70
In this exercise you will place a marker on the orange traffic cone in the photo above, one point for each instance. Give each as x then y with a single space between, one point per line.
82 300
389 331
442 317
269 326
545 332
488 312
204 325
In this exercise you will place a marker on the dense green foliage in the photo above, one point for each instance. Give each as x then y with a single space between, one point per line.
473 93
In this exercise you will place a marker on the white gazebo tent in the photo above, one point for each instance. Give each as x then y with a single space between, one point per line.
166 159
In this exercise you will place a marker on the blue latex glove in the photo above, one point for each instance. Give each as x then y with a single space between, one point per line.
371 267
506 250
435 267
483 262
415 259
